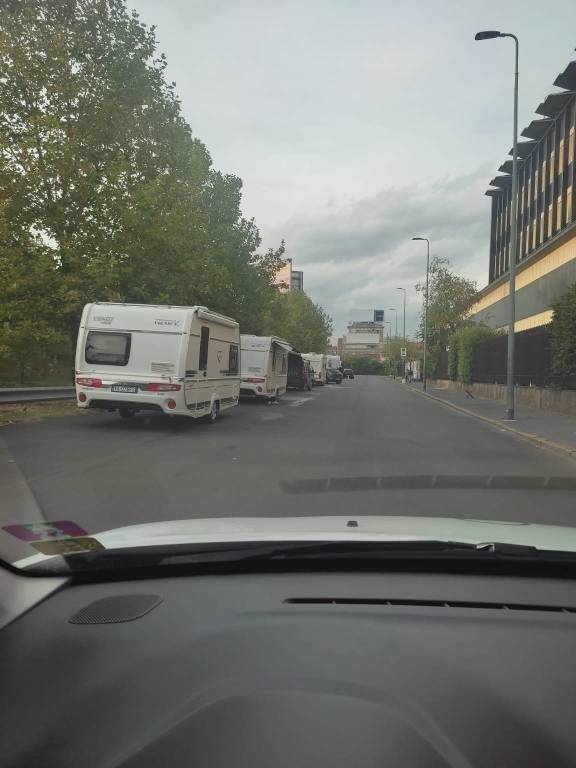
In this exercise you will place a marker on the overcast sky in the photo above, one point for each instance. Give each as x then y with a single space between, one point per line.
355 124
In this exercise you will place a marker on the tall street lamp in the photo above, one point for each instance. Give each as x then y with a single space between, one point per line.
425 308
389 324
393 309
404 329
489 35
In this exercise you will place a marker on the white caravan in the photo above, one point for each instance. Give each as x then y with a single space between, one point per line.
318 363
333 362
179 360
264 366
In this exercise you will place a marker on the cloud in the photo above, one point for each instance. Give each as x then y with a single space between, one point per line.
355 255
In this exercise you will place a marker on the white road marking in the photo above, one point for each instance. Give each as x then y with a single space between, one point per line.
300 401
272 416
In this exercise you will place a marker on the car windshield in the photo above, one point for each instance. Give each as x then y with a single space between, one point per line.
282 273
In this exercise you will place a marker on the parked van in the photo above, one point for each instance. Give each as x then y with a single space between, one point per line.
333 369
318 363
179 360
299 372
264 361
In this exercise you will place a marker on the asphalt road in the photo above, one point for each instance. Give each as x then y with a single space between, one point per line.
368 446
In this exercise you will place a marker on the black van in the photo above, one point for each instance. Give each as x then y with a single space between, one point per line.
298 372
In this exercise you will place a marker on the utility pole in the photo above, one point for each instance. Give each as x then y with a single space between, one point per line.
404 330
510 394
425 308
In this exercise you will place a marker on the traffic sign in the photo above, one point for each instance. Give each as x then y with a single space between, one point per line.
402 351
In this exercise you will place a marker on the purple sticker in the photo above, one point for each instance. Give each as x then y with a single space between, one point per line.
60 529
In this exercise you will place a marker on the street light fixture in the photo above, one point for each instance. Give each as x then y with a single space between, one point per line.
425 308
404 329
489 35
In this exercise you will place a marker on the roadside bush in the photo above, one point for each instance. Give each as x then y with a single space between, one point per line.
461 353
453 357
563 335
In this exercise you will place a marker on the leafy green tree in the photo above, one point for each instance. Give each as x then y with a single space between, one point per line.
31 338
367 366
449 298
563 335
102 180
296 318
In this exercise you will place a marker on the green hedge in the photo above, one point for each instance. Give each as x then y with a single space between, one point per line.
563 335
462 345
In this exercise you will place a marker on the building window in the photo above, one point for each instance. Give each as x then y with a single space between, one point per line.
569 205
558 212
571 147
550 217
543 175
535 184
552 156
561 156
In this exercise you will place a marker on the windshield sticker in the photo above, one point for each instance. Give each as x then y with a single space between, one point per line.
67 546
45 530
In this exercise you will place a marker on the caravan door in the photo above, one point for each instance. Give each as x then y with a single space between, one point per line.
212 365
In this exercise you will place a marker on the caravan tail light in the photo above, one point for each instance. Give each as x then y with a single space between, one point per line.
85 381
82 397
171 404
162 387
253 380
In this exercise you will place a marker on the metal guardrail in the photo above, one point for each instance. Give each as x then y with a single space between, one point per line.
35 394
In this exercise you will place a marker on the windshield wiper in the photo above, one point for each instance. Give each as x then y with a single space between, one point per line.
316 551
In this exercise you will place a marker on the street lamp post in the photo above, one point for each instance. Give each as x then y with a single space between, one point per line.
425 308
389 324
393 309
489 35
404 329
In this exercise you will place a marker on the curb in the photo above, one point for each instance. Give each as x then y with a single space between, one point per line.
543 442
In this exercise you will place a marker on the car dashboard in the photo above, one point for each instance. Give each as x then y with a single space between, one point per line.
293 669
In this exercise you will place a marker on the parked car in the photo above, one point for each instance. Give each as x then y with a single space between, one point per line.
178 360
348 373
299 375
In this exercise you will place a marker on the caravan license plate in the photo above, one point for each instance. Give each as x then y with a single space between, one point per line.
128 389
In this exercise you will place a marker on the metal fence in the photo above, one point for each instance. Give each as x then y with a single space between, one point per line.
532 361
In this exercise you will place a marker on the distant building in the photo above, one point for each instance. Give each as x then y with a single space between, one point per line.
297 280
364 339
546 264
288 279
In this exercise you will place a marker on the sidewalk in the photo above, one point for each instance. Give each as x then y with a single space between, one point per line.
554 430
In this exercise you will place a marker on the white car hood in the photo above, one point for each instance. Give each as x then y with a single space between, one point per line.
361 528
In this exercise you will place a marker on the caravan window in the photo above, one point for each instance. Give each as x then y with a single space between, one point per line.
204 339
233 359
107 348
284 356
